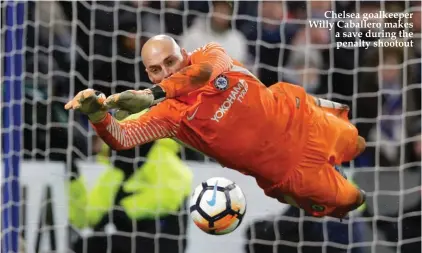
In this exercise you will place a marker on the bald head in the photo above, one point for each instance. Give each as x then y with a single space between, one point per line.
159 44
162 57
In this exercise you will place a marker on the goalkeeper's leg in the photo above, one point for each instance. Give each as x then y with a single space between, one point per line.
320 190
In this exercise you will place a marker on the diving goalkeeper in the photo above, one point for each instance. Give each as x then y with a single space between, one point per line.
288 140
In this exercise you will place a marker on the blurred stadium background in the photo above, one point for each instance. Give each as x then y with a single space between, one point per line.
63 191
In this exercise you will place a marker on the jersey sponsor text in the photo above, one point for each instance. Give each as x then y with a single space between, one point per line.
238 93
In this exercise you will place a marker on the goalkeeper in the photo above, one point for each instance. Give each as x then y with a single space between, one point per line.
288 140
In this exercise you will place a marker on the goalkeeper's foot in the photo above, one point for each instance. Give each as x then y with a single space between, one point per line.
342 212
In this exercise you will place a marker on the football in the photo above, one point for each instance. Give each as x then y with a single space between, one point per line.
217 206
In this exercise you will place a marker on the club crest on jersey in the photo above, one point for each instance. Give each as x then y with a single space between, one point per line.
221 82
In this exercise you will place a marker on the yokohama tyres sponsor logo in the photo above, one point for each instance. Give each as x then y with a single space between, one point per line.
236 94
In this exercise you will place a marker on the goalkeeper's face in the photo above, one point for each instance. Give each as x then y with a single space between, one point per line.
163 58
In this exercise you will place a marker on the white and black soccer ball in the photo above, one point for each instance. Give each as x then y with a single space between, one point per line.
217 206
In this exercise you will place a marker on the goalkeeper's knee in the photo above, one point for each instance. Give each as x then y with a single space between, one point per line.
361 145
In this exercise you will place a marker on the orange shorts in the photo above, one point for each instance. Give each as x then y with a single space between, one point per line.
315 185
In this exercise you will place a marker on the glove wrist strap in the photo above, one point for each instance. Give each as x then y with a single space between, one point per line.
158 93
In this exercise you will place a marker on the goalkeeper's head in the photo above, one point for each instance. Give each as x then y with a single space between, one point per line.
162 57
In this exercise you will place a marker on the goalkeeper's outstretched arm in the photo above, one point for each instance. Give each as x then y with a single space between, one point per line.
134 131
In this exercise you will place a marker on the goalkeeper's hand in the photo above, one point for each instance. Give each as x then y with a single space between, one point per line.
129 102
90 103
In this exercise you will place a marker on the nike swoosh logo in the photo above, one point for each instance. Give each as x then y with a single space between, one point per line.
193 114
214 195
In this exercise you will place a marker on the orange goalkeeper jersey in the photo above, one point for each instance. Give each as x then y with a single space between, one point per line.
232 117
